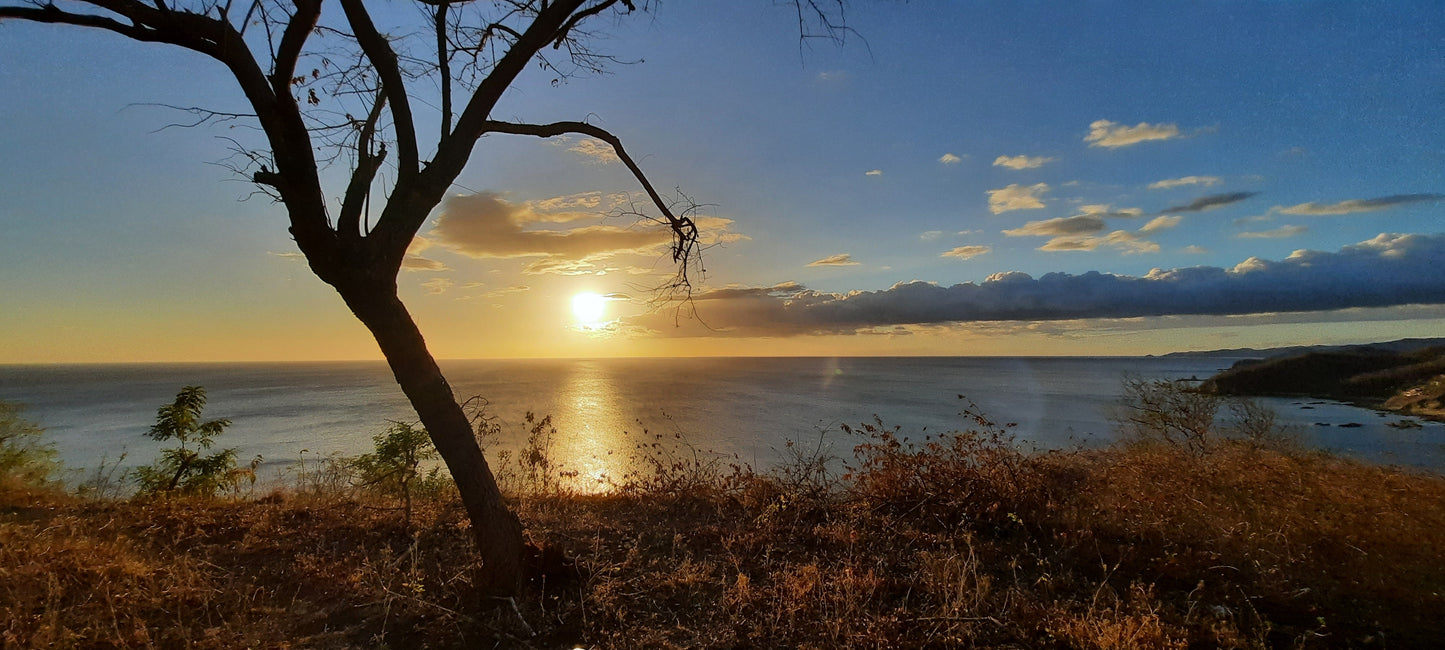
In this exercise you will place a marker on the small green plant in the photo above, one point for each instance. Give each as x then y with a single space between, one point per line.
23 455
185 469
394 467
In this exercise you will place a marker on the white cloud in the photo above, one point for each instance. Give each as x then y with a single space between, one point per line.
1103 133
873 172
968 252
1106 210
1022 162
1161 223
594 150
931 235
949 159
1077 225
841 259
1195 250
1017 197
1120 240
1171 183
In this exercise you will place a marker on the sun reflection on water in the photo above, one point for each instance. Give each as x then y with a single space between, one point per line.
592 441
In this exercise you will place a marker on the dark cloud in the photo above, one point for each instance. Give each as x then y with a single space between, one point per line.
487 225
1210 202
1360 205
1385 271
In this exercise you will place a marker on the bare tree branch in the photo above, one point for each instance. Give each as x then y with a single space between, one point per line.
293 39
684 230
383 59
348 222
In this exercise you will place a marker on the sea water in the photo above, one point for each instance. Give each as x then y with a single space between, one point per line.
742 409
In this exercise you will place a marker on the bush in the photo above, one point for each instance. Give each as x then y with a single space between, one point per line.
394 467
956 479
183 469
1161 411
1158 410
23 456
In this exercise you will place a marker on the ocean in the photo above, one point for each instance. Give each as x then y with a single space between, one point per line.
742 408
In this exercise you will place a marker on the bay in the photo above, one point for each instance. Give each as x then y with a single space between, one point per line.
736 408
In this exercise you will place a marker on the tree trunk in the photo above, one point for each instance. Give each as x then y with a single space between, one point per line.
498 532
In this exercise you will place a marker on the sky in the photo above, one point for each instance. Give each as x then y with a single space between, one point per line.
988 178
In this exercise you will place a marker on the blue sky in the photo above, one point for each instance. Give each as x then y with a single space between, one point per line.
1033 138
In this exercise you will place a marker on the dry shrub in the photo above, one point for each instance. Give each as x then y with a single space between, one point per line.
1131 623
960 541
1282 544
955 479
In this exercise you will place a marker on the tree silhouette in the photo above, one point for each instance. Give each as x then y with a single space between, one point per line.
282 52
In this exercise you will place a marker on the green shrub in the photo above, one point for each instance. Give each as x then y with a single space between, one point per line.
184 469
23 455
394 467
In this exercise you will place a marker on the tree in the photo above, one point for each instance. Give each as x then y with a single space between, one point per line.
394 466
24 456
281 52
184 469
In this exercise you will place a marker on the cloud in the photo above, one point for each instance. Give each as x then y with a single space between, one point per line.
1388 270
1277 233
1195 250
1171 183
1103 133
497 293
1121 240
594 150
1359 205
1017 197
1108 211
486 225
950 159
968 252
1161 223
1022 162
419 263
931 235
413 261
1211 202
841 259
437 285
1077 225
873 172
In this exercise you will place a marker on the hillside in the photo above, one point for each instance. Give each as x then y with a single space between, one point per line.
1376 376
1399 346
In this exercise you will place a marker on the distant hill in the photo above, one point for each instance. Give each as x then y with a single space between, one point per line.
1400 346
1406 376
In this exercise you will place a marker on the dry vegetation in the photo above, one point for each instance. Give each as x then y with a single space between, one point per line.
947 541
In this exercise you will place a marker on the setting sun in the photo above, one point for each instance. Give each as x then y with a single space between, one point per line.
589 308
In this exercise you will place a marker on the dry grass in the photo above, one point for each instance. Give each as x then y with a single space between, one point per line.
952 542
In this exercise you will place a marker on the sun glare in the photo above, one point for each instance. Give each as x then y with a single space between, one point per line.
589 308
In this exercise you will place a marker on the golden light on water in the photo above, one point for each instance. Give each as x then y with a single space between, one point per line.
596 448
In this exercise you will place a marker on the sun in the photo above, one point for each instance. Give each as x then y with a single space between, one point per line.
589 308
